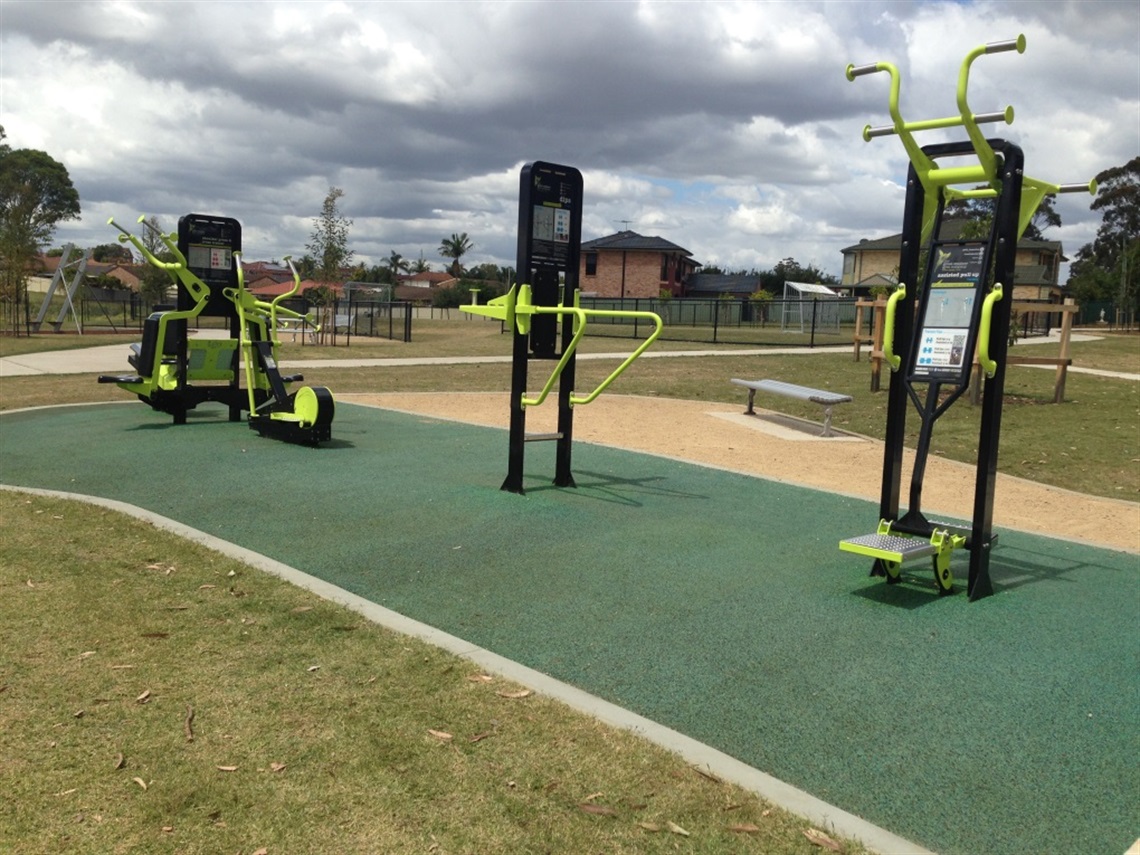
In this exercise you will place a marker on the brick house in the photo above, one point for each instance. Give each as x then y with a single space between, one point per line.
876 262
627 264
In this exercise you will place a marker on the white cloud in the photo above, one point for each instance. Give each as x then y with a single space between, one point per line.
727 128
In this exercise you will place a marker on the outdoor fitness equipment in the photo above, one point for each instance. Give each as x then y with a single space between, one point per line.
549 238
173 371
306 415
964 305
166 360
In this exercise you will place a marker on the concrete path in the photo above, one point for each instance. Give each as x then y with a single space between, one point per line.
112 359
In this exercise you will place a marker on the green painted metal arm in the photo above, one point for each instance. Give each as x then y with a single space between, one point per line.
515 308
567 353
617 372
500 308
247 302
949 179
893 361
178 270
988 364
581 318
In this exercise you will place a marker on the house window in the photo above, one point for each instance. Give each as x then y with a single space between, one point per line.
591 264
664 267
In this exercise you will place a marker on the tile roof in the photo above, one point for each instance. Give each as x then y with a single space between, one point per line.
627 240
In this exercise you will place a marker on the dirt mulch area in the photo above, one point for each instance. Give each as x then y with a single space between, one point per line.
783 449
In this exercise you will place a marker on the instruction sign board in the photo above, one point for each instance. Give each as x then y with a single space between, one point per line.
209 244
950 311
549 239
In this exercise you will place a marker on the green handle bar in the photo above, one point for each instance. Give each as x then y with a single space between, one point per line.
988 364
586 399
514 308
893 360
177 270
985 171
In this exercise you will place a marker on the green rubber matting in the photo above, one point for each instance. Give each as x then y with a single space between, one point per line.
716 604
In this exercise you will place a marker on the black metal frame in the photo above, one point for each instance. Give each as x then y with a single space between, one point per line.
999 267
539 264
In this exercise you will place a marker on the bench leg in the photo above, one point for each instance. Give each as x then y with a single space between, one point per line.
826 422
751 398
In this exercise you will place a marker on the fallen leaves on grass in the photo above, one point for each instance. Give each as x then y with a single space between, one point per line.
522 693
140 782
822 840
120 761
676 829
143 698
226 768
744 828
441 735
276 767
188 723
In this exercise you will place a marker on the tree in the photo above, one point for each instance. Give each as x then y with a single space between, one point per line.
455 248
395 264
154 284
329 246
329 241
36 193
1106 268
114 253
420 265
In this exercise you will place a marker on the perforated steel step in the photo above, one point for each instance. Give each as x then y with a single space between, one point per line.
889 547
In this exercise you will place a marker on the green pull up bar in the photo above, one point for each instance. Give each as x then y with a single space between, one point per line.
985 171
516 309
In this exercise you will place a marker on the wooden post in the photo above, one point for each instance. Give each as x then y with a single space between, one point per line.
1063 365
878 314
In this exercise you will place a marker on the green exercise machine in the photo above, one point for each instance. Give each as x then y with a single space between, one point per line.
549 237
932 331
174 372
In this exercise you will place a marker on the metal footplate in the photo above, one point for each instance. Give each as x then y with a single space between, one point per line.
891 551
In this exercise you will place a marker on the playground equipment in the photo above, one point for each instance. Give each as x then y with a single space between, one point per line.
77 265
549 238
306 415
175 373
964 306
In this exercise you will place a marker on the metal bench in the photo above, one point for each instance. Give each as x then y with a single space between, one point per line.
804 393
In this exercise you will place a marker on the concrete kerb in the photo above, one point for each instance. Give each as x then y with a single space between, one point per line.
697 754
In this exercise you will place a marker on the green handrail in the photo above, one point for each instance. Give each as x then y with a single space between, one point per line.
988 365
893 361
515 309
617 313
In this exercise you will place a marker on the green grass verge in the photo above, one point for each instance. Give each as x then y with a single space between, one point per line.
156 696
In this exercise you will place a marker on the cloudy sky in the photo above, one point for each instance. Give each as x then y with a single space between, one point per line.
727 128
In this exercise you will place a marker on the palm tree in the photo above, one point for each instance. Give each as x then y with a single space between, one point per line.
420 265
396 263
455 248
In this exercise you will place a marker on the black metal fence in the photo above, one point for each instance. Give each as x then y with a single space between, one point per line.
123 310
775 323
344 319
